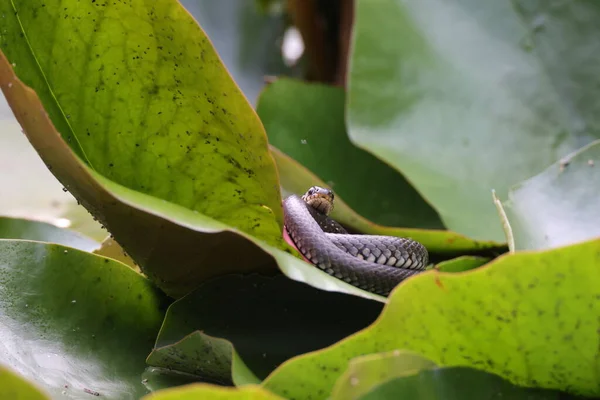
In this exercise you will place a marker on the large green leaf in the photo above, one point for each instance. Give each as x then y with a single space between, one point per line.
266 319
16 228
306 122
529 317
72 321
296 179
165 242
467 96
13 386
560 205
139 93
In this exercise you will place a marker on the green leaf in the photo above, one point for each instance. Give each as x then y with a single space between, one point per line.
126 212
405 375
365 373
13 386
529 317
463 263
212 392
306 122
208 359
148 105
203 358
72 321
206 330
468 96
457 384
296 179
560 205
15 228
240 373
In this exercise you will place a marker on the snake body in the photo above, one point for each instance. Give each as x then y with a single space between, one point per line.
370 262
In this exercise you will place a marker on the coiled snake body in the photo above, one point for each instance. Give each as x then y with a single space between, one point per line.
373 263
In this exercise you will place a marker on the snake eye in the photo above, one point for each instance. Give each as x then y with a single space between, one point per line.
311 191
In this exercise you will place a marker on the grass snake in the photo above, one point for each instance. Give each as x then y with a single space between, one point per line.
370 262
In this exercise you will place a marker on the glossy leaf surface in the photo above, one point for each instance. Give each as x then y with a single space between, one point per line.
467 96
560 205
73 321
16 228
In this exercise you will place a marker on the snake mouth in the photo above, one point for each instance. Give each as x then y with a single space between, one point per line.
320 199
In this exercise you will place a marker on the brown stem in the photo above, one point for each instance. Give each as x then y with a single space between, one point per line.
344 40
312 24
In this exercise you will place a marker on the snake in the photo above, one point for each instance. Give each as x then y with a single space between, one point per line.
374 263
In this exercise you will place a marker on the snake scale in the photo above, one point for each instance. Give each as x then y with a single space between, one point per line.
370 262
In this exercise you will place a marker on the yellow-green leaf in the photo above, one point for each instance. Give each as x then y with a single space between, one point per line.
13 386
212 392
529 317
139 94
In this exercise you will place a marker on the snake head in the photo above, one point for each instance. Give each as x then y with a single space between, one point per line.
321 199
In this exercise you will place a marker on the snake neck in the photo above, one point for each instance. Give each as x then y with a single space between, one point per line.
326 223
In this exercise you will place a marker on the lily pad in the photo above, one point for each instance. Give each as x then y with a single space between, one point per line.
202 329
73 321
459 383
313 133
367 372
296 179
13 386
560 205
16 228
464 96
212 392
530 318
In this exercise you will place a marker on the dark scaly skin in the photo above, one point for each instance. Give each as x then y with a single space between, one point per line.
348 257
